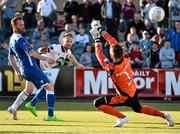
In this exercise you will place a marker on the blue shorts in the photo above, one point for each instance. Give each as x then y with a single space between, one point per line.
36 76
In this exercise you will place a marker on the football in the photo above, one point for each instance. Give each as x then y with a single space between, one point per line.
156 14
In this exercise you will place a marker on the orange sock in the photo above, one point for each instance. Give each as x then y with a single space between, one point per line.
151 111
110 110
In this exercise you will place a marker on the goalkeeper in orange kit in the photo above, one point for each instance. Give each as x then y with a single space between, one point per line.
122 76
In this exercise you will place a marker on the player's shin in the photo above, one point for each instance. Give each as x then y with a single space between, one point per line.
19 100
110 110
50 99
41 93
151 111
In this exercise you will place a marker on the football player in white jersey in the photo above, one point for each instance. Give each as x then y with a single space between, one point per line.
56 52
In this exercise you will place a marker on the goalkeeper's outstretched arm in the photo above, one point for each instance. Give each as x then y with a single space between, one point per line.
111 40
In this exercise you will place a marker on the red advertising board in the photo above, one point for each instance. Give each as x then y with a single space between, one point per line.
149 82
169 83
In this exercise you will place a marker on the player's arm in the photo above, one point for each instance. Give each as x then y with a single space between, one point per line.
36 55
12 60
111 40
24 45
103 60
74 61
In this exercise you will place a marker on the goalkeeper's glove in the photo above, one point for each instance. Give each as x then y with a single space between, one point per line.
95 24
96 35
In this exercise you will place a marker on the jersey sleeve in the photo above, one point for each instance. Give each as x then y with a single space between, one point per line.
111 40
103 60
24 44
11 52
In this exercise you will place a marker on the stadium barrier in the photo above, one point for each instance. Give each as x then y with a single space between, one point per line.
149 82
71 82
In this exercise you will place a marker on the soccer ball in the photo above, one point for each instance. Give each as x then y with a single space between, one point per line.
156 14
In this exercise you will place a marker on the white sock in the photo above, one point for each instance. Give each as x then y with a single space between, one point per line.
19 100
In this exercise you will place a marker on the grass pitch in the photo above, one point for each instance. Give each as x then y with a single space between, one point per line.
83 118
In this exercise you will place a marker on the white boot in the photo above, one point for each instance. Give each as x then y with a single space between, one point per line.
121 121
169 120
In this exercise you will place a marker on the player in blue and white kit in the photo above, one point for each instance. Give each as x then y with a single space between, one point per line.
28 67
56 52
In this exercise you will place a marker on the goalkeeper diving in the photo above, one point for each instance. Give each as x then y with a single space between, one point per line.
121 74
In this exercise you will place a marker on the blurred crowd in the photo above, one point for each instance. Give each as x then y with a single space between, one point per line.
147 44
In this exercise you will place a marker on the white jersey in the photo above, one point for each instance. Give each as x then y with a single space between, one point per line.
56 52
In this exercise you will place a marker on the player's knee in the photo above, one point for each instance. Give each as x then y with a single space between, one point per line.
28 90
99 101
137 108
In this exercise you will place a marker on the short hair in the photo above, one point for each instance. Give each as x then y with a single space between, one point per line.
155 43
166 40
15 19
117 50
68 34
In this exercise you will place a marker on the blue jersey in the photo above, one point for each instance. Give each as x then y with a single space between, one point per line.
20 47
28 66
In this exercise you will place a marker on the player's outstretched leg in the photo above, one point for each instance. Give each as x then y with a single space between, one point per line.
31 105
152 111
19 100
121 118
103 104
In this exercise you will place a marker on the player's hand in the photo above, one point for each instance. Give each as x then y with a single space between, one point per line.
95 34
50 61
95 24
80 66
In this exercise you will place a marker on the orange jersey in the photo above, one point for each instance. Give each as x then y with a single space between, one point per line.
121 74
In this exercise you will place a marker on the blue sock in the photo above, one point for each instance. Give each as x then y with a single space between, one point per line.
39 95
50 99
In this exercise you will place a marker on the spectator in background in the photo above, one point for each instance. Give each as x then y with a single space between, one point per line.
71 7
153 60
128 11
149 27
111 15
75 23
142 4
134 35
167 56
85 13
145 42
137 23
47 8
128 44
4 50
147 8
97 10
82 37
135 56
9 8
86 57
44 41
174 37
67 29
58 25
174 11
38 32
159 37
29 11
